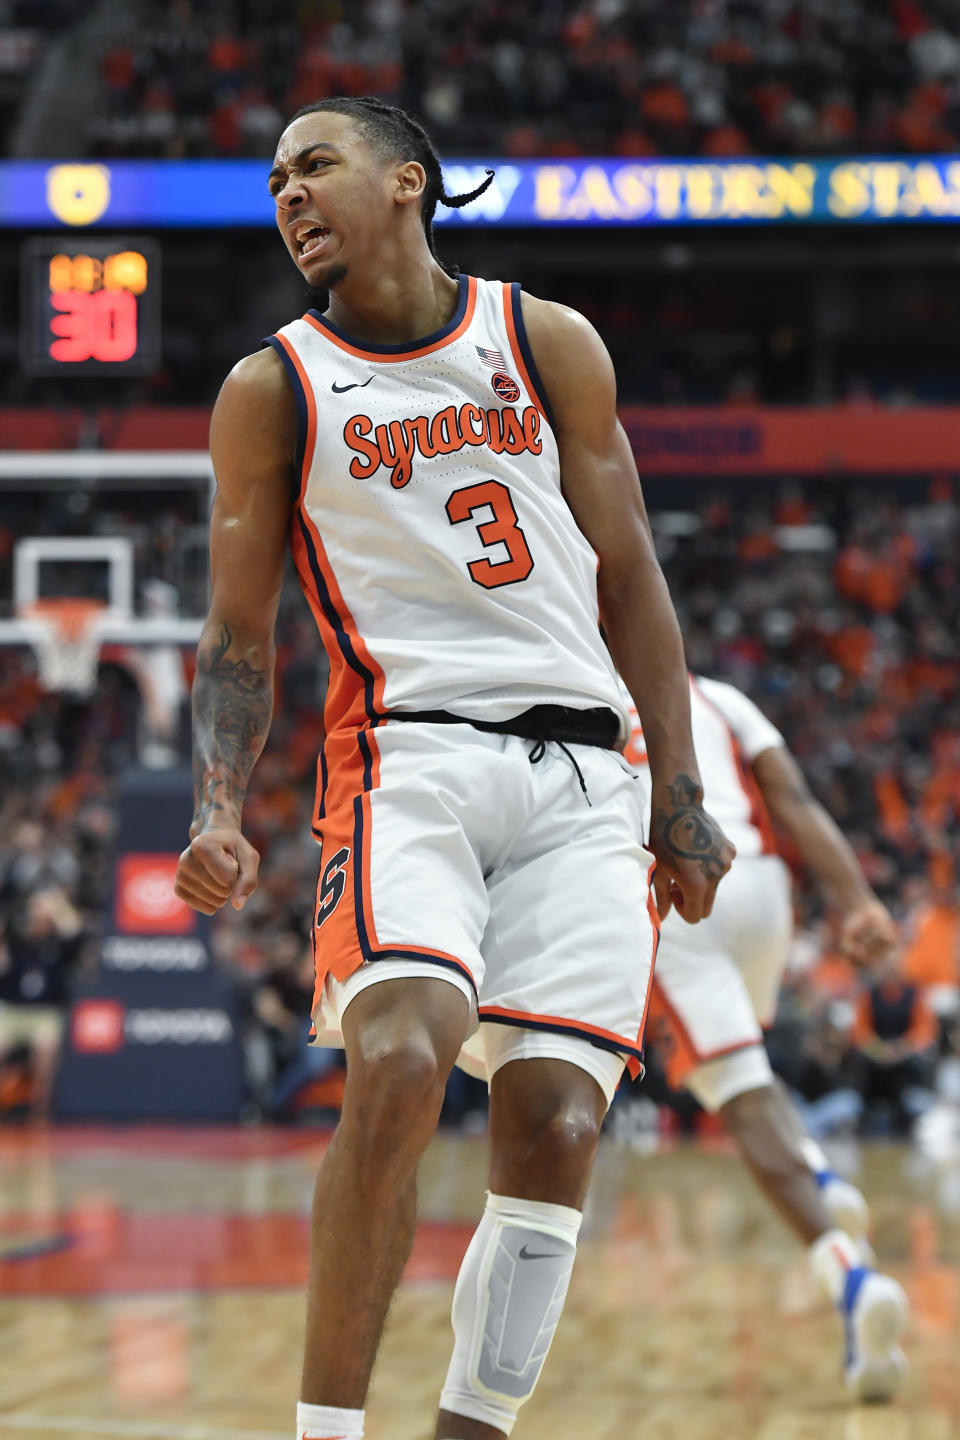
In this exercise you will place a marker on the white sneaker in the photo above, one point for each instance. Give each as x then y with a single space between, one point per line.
875 1312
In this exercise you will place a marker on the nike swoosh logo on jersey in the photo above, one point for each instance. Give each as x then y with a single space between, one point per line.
526 1254
357 385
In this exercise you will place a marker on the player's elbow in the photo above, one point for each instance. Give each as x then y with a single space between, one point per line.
627 576
791 813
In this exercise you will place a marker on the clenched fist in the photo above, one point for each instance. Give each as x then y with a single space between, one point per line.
868 932
219 865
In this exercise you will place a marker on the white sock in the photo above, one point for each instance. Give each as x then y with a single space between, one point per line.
832 1256
324 1422
815 1157
846 1205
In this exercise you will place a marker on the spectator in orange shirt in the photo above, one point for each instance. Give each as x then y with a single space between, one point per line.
932 960
895 1032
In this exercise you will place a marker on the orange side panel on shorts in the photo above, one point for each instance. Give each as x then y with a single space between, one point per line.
337 949
678 1049
668 1032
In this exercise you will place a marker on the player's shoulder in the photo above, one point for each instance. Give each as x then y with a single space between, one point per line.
256 410
549 323
715 691
260 374
569 353
723 696
258 388
742 715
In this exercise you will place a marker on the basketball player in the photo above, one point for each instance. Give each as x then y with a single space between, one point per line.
445 456
716 986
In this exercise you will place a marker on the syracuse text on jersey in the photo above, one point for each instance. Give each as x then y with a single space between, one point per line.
395 444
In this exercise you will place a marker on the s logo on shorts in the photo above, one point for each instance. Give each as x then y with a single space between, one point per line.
505 387
332 885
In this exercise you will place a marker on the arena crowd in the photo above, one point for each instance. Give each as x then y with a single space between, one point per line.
570 77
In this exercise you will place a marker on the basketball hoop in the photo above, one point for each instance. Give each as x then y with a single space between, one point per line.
66 642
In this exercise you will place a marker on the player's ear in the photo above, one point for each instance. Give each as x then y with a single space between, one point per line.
411 181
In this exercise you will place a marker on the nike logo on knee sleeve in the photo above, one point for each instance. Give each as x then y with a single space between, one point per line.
526 1254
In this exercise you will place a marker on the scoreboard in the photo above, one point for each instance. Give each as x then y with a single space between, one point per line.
90 306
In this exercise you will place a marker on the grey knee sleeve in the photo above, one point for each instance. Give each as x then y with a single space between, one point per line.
509 1296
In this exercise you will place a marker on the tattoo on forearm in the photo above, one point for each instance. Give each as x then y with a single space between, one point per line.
688 832
232 706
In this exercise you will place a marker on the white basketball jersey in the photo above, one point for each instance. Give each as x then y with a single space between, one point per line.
431 537
729 732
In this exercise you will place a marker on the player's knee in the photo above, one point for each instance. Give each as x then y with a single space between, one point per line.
395 1088
747 1112
548 1145
753 1119
568 1140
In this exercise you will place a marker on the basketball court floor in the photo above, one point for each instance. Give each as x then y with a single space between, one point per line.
151 1285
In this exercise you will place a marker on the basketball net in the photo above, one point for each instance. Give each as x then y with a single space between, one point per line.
67 644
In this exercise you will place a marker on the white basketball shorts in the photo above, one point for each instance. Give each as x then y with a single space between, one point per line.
446 845
716 982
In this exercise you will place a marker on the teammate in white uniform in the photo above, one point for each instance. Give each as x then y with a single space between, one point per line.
716 988
446 459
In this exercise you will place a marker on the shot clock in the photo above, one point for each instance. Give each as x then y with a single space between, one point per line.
90 307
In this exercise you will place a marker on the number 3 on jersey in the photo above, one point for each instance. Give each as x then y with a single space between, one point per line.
501 530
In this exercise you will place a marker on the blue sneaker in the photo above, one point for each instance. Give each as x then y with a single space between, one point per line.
875 1312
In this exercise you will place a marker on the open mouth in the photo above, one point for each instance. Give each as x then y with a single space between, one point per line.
312 239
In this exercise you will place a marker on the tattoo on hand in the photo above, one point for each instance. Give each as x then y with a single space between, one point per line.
688 832
232 706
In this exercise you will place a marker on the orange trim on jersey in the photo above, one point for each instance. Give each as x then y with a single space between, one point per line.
682 1056
345 702
759 816
506 297
310 404
346 697
393 357
298 549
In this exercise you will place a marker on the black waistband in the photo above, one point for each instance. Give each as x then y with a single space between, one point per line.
598 726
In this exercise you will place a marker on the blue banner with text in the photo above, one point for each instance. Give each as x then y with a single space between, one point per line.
215 193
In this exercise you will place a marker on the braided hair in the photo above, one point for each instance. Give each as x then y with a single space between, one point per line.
395 135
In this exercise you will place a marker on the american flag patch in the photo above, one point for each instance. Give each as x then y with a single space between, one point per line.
493 358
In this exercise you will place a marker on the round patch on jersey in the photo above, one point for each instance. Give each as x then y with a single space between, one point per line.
505 387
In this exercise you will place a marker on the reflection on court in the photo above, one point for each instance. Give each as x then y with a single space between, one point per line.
151 1286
